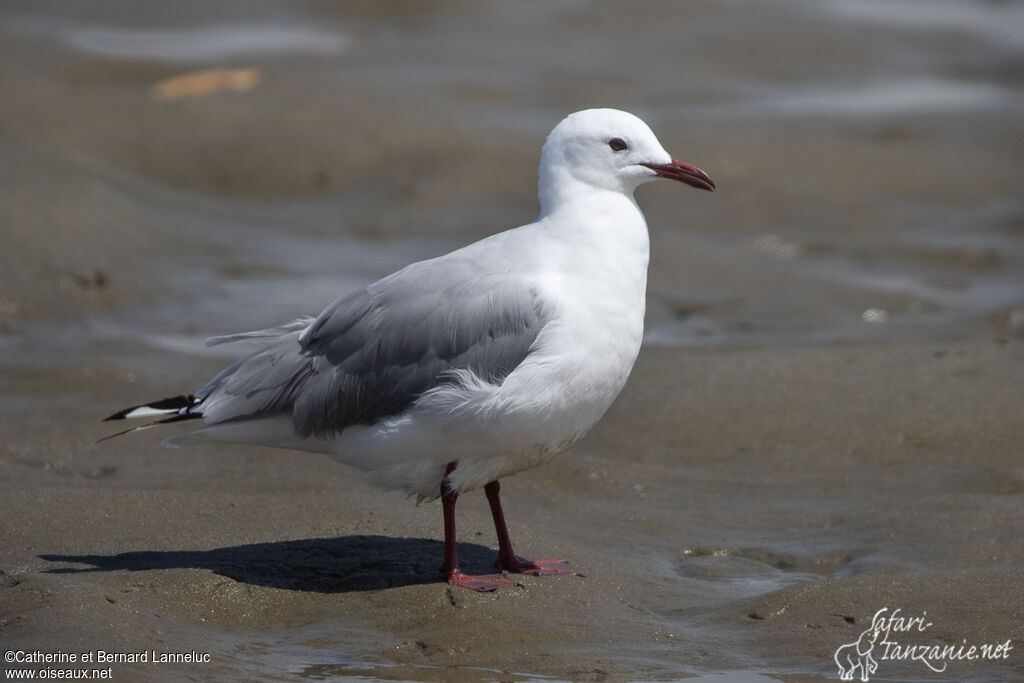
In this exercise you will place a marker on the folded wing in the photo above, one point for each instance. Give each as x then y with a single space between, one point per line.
372 353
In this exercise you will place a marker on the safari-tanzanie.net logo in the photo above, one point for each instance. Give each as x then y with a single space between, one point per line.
894 637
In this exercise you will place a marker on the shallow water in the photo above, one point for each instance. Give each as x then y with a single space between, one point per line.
871 190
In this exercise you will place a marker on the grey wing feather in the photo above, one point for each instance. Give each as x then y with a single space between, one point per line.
262 336
372 353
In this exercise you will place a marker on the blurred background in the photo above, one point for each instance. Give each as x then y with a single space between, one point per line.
868 155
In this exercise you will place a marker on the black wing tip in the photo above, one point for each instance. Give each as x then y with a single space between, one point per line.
163 421
120 415
171 403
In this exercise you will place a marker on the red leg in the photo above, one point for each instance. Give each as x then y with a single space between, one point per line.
487 582
507 559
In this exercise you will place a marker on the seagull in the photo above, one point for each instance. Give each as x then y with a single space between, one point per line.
459 370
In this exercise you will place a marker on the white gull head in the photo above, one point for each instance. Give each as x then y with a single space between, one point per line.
606 149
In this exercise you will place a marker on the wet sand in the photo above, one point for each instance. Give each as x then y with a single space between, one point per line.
780 467
736 510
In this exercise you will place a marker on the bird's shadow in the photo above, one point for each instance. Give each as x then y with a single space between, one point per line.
322 565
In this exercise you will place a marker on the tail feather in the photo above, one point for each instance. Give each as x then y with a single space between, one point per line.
166 406
167 420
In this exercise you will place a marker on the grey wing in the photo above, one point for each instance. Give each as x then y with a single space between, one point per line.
262 336
372 353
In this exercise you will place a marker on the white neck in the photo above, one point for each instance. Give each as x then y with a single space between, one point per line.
561 182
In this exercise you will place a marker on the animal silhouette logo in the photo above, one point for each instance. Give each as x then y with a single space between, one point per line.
894 636
855 657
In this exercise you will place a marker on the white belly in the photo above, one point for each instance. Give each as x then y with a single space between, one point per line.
578 365
541 409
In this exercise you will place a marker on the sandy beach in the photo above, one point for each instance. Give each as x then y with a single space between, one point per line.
753 545
824 425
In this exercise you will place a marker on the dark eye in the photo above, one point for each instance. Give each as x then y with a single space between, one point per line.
617 144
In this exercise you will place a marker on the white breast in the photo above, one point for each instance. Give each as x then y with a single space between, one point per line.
594 287
591 281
